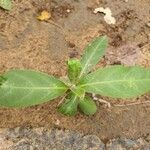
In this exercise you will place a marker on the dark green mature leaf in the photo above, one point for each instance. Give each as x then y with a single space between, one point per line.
69 108
118 81
6 4
74 69
93 52
25 88
87 106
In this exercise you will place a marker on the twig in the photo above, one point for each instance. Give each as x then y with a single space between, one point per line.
101 100
130 104
117 105
57 25
63 98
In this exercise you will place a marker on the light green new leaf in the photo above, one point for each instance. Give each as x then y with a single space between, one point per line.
118 81
77 90
93 52
74 69
25 88
6 4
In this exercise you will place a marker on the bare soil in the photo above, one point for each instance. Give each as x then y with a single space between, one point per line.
25 42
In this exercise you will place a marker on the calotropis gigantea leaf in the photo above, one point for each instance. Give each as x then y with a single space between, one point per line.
93 52
87 106
2 80
69 108
118 81
25 88
74 69
6 4
80 92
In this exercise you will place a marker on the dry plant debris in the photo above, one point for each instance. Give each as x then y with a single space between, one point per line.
108 14
44 16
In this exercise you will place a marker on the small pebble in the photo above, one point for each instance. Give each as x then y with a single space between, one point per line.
148 24
68 10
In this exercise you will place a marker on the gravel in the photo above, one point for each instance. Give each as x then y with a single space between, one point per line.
26 138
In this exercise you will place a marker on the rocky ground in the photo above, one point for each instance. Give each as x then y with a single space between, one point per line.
26 138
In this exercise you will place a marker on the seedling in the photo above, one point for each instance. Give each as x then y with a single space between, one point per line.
5 4
23 88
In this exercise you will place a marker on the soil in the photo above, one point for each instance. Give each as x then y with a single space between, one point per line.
26 42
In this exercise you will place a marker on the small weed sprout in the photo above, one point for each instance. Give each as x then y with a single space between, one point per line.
24 88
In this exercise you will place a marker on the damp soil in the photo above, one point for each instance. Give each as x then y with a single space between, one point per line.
26 42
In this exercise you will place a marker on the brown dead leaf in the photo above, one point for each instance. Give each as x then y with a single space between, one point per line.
44 16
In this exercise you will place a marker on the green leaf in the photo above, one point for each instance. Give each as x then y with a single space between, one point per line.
2 80
25 88
93 52
118 81
74 69
87 106
6 4
77 90
69 108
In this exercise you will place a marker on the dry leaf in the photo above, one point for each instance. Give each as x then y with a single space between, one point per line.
108 14
44 16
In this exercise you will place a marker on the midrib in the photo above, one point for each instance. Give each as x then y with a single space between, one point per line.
86 64
107 82
33 88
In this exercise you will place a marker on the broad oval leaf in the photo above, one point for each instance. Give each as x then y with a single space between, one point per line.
25 88
118 81
87 106
93 52
6 4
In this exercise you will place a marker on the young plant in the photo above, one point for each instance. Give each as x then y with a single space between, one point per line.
23 88
5 4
